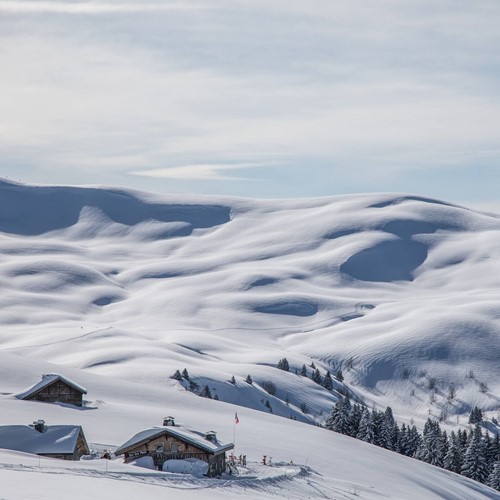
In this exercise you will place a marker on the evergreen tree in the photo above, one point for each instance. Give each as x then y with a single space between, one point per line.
366 430
328 382
249 380
205 393
339 376
454 457
313 366
283 365
494 477
316 376
476 416
338 419
387 430
303 371
177 375
402 444
185 374
414 441
429 447
474 465
233 380
443 448
378 422
268 405
193 386
355 419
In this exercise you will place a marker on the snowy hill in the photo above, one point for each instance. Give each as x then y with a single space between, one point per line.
399 292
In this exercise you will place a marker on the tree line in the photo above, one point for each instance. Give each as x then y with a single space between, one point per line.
472 453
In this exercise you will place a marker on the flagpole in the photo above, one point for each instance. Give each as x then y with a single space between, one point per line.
234 434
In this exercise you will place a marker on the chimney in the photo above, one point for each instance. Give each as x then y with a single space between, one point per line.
211 436
168 421
39 425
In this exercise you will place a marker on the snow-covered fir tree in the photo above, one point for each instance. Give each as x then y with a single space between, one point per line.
494 477
328 382
474 465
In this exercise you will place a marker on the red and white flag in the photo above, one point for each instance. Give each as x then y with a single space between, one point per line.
236 419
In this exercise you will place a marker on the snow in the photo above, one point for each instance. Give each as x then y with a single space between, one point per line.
192 466
55 439
118 289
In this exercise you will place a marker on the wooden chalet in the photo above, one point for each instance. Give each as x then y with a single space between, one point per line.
54 388
66 442
177 442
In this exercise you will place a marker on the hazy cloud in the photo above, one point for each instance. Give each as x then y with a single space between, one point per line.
345 96
210 171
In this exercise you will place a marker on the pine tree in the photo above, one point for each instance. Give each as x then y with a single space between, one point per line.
474 465
476 416
338 419
453 459
328 382
268 405
429 448
185 374
177 375
387 430
494 477
414 441
355 419
339 376
233 380
378 422
316 376
366 431
205 392
402 444
249 380
303 371
283 365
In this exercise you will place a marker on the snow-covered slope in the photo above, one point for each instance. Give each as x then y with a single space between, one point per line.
309 462
137 285
398 291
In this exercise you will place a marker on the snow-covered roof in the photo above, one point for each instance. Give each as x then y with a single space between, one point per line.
55 439
47 380
191 436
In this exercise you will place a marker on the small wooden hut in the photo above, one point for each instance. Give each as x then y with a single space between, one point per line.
66 442
175 442
54 388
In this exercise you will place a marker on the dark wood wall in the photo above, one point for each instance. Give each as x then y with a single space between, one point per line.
58 392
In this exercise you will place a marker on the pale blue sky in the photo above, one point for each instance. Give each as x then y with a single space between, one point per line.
257 98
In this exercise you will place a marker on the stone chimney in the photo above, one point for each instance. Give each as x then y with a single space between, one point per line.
168 421
39 425
211 436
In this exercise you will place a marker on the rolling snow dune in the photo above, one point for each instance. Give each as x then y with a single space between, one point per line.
132 285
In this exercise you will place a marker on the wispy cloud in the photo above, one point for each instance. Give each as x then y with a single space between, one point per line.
202 171
344 93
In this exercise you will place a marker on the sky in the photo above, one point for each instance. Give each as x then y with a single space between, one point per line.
258 98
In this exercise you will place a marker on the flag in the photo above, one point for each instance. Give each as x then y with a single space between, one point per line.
236 419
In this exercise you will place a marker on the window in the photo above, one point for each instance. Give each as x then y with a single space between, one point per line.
159 448
174 447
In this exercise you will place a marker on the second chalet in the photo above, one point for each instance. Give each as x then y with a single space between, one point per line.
54 388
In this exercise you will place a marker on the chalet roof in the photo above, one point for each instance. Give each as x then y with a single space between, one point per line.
55 439
190 436
47 380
